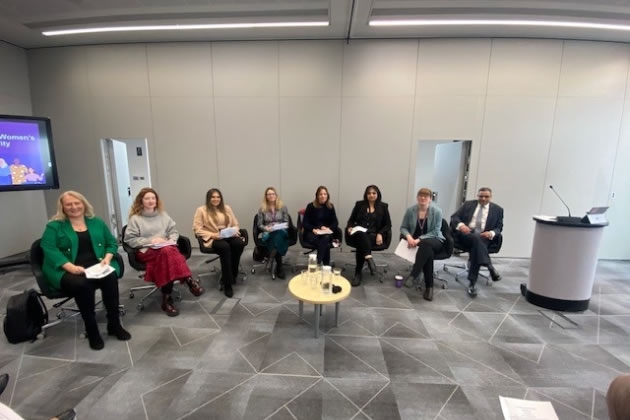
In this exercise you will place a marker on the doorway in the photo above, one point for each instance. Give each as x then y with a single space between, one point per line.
126 164
443 166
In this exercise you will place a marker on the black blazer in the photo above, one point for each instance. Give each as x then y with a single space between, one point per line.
314 218
381 212
465 214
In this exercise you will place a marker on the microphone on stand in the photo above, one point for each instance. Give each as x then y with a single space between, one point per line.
565 219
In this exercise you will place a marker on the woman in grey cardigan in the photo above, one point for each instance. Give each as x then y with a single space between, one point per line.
273 212
422 228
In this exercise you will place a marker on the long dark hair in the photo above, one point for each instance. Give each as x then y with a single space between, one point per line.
378 193
211 209
328 203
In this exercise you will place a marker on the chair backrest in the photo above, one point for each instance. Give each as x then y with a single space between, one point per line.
449 243
256 231
37 260
131 254
300 230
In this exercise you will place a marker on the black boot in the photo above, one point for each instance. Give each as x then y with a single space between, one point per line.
279 269
428 294
4 381
356 281
272 256
94 336
118 331
371 265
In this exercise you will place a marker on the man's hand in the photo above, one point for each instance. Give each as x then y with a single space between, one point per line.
464 229
486 235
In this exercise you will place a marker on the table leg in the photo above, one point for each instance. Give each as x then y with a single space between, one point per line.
317 312
337 314
301 305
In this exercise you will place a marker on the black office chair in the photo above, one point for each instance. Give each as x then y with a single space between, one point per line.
183 244
205 250
493 248
261 250
310 247
37 259
387 240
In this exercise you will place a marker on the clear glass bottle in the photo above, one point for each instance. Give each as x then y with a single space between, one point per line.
327 279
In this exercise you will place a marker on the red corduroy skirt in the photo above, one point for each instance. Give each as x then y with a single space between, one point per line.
164 265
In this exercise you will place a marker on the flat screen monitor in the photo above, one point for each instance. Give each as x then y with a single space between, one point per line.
27 158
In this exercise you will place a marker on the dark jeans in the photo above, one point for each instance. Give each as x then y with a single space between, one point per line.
427 248
82 290
229 251
322 244
363 243
477 247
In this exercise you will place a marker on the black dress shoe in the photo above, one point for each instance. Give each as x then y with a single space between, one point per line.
280 271
228 290
67 415
472 290
428 294
494 275
356 280
371 265
4 381
119 332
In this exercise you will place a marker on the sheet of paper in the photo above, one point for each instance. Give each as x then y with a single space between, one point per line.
163 244
227 232
403 251
357 229
8 414
98 271
324 232
515 409
279 226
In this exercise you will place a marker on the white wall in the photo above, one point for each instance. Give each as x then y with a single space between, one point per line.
296 114
23 213
425 159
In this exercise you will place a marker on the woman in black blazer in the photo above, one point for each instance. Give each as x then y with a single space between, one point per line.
320 217
372 214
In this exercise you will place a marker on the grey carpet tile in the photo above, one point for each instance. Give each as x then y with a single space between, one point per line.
393 355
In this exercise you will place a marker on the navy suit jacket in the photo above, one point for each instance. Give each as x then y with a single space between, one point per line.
465 214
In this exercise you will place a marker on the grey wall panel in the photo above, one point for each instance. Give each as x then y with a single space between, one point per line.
58 73
180 69
245 68
248 152
310 68
117 70
309 148
375 149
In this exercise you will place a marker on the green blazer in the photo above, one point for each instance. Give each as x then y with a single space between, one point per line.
60 244
434 222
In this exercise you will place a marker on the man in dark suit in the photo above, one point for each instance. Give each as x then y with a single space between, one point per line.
475 225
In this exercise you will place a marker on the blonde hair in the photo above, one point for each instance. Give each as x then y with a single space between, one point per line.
264 206
60 215
137 206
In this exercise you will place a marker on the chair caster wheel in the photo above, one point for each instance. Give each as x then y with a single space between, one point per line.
83 335
122 312
446 269
385 270
273 277
41 335
253 271
59 315
131 295
444 286
139 306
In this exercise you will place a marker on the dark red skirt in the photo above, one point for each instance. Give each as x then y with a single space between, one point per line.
164 265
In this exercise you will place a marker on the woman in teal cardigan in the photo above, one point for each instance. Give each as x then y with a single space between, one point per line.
74 240
422 229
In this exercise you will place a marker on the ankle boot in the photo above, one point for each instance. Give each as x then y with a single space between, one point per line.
272 256
371 265
428 294
279 269
227 290
118 331
194 286
94 336
167 305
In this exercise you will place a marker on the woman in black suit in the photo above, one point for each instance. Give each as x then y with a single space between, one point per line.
320 223
372 214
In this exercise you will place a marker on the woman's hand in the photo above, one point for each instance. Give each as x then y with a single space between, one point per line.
107 260
379 239
266 229
411 243
73 269
155 241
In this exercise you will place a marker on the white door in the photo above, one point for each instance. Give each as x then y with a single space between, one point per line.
447 177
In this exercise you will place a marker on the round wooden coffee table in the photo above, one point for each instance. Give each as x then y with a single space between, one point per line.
303 292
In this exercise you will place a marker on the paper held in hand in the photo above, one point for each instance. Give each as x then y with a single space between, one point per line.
162 244
324 232
98 271
357 229
279 226
227 232
515 409
403 251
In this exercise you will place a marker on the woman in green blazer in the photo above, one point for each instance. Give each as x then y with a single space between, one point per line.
422 228
74 240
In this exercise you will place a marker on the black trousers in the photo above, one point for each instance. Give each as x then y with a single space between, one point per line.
427 248
83 289
363 243
322 244
168 288
229 251
477 247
